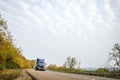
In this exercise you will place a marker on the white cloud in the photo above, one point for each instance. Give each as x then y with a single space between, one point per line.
79 16
49 6
39 10
57 16
23 4
93 9
8 7
47 18
33 17
109 11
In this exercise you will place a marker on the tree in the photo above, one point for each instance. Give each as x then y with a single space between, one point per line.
73 62
10 56
3 23
3 29
32 63
70 62
115 55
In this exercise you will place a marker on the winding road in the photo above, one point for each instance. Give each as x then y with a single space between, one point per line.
51 75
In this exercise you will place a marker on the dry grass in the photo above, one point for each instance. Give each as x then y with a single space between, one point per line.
14 74
9 74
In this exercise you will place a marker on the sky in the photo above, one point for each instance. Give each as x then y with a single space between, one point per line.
56 29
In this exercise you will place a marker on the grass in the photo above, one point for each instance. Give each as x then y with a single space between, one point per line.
9 74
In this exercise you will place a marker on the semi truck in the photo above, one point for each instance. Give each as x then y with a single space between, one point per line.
40 64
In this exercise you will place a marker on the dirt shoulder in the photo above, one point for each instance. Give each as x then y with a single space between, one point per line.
23 76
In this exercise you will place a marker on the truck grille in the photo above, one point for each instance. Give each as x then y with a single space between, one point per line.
41 66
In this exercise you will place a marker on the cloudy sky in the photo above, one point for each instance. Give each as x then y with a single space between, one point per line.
56 29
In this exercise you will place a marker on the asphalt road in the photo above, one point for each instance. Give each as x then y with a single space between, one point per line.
51 75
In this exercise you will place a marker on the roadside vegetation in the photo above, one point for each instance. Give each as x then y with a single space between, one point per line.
112 72
10 74
11 58
102 72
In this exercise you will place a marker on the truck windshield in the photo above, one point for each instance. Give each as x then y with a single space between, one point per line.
41 63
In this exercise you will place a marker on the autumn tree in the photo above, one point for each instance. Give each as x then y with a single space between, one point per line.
32 63
3 29
10 56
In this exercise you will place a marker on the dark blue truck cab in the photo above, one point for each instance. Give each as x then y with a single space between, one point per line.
40 64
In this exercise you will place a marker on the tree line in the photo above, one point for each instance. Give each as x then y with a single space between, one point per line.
10 56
